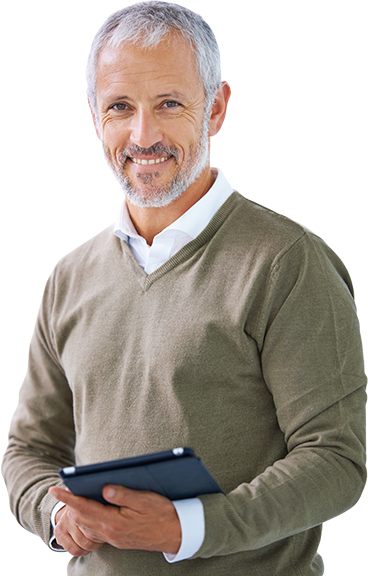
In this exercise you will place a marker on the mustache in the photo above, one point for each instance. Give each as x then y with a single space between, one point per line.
159 150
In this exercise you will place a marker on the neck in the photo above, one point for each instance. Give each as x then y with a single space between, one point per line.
151 221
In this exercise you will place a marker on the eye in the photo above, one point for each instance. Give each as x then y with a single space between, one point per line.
120 106
171 104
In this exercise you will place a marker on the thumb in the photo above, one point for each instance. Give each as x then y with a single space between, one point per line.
119 495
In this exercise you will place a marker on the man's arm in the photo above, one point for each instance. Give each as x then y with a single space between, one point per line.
314 483
42 440
308 338
42 435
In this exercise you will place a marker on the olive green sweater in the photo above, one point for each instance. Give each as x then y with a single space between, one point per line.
244 346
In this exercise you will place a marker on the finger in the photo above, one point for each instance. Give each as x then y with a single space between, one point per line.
84 506
72 539
91 536
125 497
84 542
63 495
67 542
59 514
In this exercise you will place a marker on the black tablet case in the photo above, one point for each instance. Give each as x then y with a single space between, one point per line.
176 474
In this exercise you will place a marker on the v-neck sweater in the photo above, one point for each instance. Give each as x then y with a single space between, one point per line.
244 346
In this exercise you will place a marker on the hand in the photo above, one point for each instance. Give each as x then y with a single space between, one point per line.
71 537
140 520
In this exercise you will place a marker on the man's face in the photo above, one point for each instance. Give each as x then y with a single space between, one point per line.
151 107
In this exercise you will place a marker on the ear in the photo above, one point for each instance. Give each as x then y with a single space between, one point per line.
95 120
219 108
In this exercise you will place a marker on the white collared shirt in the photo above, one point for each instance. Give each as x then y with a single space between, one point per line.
179 233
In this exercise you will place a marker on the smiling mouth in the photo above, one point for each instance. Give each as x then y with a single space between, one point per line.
144 162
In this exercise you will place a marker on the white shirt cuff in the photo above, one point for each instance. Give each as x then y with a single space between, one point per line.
191 516
52 542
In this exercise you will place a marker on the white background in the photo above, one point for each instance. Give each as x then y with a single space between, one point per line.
295 140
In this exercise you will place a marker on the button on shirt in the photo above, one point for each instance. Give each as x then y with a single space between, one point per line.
164 246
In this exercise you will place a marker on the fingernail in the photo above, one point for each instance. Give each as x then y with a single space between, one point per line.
110 492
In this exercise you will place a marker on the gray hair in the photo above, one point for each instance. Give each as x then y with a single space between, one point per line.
146 24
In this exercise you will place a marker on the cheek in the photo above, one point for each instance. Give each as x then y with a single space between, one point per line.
185 144
113 135
189 149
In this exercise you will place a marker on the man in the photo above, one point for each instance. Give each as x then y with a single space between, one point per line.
204 321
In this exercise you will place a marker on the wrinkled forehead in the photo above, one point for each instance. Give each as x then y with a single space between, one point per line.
172 61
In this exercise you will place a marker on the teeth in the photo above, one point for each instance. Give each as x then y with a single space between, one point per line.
149 162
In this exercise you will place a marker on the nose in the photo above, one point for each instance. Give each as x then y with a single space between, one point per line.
144 129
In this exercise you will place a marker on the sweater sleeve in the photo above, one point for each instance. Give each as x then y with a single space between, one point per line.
41 438
311 356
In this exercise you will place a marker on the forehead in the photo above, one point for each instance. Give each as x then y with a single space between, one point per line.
170 66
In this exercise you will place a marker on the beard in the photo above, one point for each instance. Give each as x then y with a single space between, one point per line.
152 195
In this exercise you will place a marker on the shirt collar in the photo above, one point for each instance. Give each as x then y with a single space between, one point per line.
193 221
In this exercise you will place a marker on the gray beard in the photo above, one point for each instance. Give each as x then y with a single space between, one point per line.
149 195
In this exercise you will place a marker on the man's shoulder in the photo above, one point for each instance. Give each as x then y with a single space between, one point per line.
98 249
261 226
267 237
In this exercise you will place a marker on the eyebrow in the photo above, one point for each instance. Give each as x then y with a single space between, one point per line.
173 94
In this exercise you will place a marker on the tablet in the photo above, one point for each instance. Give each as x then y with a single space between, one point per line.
176 474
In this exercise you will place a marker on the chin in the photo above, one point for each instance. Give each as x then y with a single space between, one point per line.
157 198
